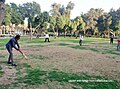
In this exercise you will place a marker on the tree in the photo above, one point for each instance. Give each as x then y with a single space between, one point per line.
101 23
115 20
45 26
91 18
2 10
7 19
30 10
108 22
55 9
79 25
117 27
60 23
16 16
70 6
62 15
41 19
52 22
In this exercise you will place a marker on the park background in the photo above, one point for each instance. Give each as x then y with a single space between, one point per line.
60 63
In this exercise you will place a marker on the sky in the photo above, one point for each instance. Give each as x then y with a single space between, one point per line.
80 5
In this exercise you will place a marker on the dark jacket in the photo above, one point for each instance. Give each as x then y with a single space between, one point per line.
12 44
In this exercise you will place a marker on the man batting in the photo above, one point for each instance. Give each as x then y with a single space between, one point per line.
13 43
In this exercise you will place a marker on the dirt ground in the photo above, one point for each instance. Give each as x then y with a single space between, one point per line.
67 59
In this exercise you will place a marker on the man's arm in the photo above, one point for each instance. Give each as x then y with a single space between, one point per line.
18 45
13 44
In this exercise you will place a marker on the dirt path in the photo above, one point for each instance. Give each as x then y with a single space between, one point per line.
8 76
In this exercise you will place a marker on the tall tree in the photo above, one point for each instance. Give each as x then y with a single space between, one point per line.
60 23
80 24
7 19
115 20
2 10
41 19
91 18
16 17
30 10
55 9
69 7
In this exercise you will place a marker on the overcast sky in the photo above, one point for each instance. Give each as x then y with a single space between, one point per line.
80 5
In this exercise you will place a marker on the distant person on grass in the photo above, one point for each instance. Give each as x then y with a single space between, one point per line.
81 39
118 45
12 44
47 37
111 38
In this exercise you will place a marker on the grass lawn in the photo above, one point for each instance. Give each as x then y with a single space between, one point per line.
46 71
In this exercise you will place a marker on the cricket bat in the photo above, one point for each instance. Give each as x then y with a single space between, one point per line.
23 55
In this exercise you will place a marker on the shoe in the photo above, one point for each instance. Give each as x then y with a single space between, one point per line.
14 65
9 62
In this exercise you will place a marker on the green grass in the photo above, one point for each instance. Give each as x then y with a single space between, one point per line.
1 73
77 41
63 44
24 65
3 41
0 68
2 48
36 77
33 77
103 51
3 62
37 57
2 56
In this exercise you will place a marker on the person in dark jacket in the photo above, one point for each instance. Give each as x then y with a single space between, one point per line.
12 43
111 38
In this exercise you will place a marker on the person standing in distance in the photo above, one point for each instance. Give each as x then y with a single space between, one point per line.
118 43
47 37
81 39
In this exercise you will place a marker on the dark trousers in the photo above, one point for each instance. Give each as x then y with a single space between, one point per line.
10 58
118 47
47 39
80 42
111 40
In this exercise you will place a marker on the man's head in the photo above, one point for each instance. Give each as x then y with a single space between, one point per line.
17 37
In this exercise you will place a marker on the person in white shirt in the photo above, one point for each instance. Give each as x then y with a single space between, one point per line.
81 38
47 37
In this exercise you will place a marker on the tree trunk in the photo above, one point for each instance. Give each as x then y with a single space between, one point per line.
64 34
71 33
108 33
